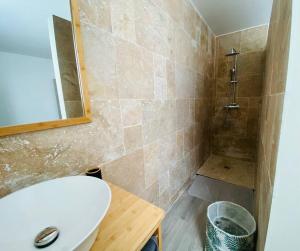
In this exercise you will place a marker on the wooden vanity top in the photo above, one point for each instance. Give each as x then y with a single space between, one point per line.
129 223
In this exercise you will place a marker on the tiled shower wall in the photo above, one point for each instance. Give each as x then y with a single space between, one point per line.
150 72
273 97
67 65
235 132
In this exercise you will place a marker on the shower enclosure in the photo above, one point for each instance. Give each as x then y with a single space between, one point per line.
236 104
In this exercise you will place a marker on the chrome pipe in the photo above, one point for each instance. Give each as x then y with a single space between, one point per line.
233 79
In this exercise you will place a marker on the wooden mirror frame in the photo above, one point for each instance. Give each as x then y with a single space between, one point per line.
86 118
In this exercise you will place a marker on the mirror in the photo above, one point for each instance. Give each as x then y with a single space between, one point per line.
41 84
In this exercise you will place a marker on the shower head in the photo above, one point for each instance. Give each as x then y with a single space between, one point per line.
233 52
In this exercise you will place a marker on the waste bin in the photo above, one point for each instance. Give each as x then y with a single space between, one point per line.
230 227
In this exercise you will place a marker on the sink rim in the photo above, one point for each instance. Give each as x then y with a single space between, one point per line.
93 179
103 215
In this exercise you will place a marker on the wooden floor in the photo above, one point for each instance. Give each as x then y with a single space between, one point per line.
184 225
231 170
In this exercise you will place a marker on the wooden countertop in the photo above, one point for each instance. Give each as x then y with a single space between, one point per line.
129 223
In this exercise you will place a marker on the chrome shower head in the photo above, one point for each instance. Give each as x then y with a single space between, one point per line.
233 52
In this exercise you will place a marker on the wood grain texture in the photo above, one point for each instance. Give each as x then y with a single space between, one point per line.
10 130
129 223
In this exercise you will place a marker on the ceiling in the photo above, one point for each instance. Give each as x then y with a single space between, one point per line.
24 25
225 16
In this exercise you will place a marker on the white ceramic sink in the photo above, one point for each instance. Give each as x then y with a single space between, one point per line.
75 205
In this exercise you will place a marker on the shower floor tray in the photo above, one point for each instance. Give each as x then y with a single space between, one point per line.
231 170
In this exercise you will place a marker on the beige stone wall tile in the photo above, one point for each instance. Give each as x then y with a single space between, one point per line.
154 28
151 194
204 37
272 105
158 119
179 145
236 147
123 19
190 21
101 70
174 8
152 163
275 143
222 67
133 138
164 182
183 47
197 136
281 53
251 63
233 122
254 39
127 172
160 88
160 77
151 131
226 42
250 86
167 120
253 122
171 85
223 87
178 177
210 43
203 87
131 111
200 110
168 151
134 67
192 111
265 200
96 13
107 127
160 64
151 110
255 102
188 140
182 113
185 82
164 200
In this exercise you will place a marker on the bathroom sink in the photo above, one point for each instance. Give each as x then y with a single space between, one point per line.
74 206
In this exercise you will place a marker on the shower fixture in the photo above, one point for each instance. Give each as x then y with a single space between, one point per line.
233 80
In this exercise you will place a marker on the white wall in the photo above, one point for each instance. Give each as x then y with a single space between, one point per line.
232 15
27 90
284 225
57 73
24 25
